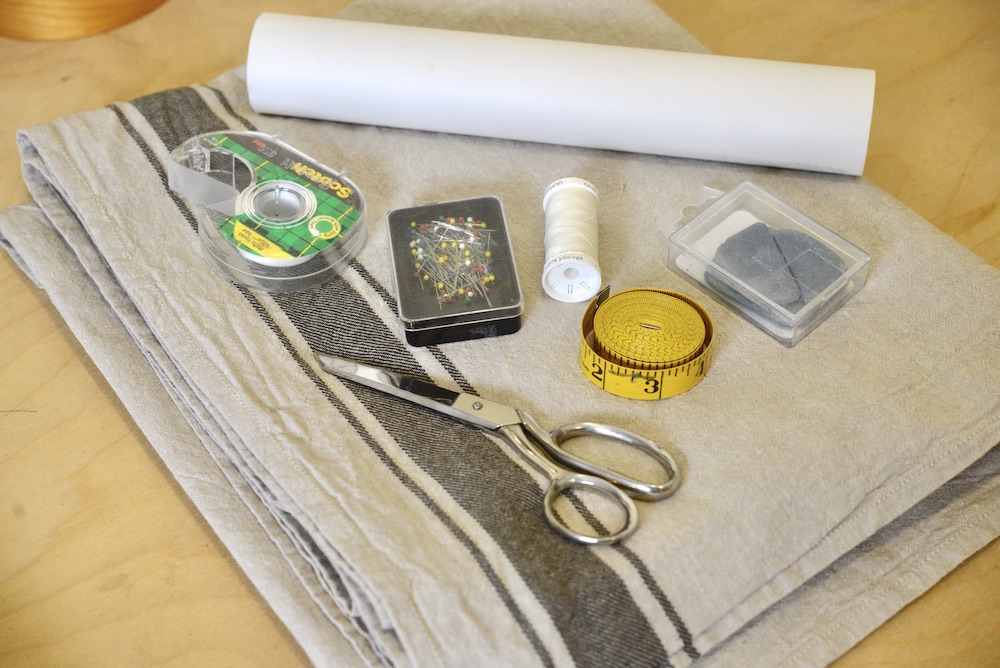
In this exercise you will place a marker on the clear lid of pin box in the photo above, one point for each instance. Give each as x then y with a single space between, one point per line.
772 264
454 271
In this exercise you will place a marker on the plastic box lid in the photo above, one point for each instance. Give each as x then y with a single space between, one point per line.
765 260
453 266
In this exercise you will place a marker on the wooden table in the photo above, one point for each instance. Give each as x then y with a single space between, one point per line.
104 561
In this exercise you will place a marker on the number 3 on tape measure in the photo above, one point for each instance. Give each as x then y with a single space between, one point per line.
645 343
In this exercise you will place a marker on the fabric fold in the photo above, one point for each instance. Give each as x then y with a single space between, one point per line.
825 485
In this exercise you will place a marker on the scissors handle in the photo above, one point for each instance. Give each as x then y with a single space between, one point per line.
562 481
570 480
638 489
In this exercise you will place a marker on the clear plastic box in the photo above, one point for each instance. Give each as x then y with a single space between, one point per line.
765 260
454 271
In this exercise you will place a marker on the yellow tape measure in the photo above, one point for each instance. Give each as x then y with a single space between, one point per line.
645 343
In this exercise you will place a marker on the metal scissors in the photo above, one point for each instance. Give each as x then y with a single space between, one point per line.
565 471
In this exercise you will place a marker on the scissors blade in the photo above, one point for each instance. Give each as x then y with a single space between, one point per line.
466 407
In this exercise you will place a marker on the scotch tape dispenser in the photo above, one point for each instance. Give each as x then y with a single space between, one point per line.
278 220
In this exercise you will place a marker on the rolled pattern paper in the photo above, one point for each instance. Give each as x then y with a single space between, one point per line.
687 105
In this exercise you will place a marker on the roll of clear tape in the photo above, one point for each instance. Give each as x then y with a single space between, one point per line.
571 272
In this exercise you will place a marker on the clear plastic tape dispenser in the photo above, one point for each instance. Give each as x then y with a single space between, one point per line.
279 220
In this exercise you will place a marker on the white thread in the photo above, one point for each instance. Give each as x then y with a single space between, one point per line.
571 272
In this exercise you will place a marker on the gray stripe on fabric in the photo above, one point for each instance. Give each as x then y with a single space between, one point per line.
505 596
661 598
435 351
599 620
159 109
154 161
177 115
227 105
618 633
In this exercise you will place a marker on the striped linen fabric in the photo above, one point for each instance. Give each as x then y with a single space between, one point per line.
826 485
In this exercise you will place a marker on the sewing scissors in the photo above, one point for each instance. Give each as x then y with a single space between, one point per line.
565 471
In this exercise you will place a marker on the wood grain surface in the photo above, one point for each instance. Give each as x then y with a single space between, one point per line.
68 19
104 561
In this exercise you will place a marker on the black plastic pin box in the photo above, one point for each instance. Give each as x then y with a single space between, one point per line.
454 271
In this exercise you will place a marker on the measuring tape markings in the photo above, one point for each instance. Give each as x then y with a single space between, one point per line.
645 343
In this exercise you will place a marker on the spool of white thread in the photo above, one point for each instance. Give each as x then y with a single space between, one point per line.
571 272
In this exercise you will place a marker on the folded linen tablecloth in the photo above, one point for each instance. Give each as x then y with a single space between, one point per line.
826 485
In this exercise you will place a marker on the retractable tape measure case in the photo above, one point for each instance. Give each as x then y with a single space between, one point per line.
645 343
279 220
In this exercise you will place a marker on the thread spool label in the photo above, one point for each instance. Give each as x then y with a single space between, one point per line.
645 343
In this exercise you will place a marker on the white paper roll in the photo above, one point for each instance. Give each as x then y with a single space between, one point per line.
760 112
